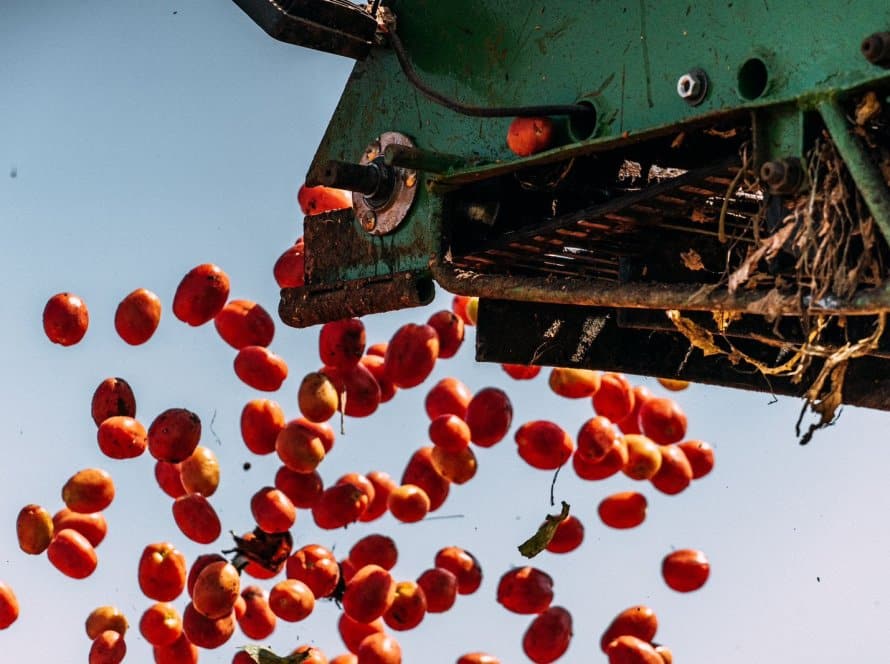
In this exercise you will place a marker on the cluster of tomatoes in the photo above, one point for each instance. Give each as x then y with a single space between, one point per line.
633 432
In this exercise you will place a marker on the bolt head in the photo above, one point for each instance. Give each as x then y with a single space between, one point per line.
368 220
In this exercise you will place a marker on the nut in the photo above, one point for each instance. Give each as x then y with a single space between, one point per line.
368 220
693 86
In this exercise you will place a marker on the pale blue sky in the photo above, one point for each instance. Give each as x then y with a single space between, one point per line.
146 142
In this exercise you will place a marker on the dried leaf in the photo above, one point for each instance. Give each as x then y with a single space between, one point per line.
692 260
697 336
262 655
868 107
539 541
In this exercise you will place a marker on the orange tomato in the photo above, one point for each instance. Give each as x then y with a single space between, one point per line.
383 485
92 526
273 510
521 371
89 490
408 503
181 651
379 648
72 554
421 472
162 572
196 518
626 509
408 607
216 589
9 606
303 489
448 397
200 472
643 457
261 422
258 620
574 383
299 447
374 549
317 200
700 456
639 621
458 467
291 600
450 433
108 648
675 473
543 445
138 316
205 632
662 420
244 323
317 397
632 650
122 437
685 570
260 368
338 506
529 135
289 269
411 355
34 529
65 319
161 624
105 618
478 658
615 397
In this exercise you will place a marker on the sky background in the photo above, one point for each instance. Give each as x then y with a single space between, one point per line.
148 137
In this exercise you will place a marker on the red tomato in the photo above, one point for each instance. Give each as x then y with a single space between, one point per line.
89 490
631 422
206 632
114 396
379 648
168 478
161 624
478 658
72 554
260 368
303 489
527 135
65 319
338 506
411 355
662 420
258 620
448 397
369 593
92 526
450 329
685 570
595 438
196 518
548 636
408 607
173 435
614 460
341 343
201 294
361 388
463 565
273 510
122 437
216 589
615 397
421 471
9 606
489 415
108 648
289 269
525 590
521 371
440 589
317 200
375 364
374 549
632 650
299 447
568 535
181 651
574 383
291 600
408 503
675 473
700 455
244 323
261 422
162 572
315 566
104 618
138 316
383 486
626 509
639 621
544 445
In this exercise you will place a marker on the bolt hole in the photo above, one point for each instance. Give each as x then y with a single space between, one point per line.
583 125
426 290
753 78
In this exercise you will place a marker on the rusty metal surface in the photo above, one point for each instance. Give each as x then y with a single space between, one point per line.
590 337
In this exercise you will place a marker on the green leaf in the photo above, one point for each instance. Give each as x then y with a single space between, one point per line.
539 541
262 655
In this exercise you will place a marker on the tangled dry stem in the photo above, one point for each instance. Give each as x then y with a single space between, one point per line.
832 236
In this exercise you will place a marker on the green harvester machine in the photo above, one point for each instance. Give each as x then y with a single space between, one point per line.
714 206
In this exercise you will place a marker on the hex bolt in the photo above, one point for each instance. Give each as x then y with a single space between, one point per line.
782 176
876 49
693 86
368 220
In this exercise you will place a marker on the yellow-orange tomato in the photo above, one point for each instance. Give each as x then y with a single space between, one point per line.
162 572
196 518
244 323
122 437
685 570
174 434
626 509
299 447
161 624
260 368
138 316
113 396
639 621
673 384
574 383
643 457
408 503
92 526
34 529
201 294
261 422
9 606
528 135
463 565
108 648
317 397
105 618
200 472
217 587
548 636
72 554
65 319
458 467
291 600
88 490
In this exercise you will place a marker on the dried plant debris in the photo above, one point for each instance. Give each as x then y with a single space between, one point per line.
830 237
539 541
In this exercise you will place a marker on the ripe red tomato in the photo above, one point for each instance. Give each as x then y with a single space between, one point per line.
138 316
632 650
113 396
408 503
440 589
489 415
299 447
361 388
450 433
525 590
639 621
544 445
675 473
289 269
341 343
568 535
595 438
354 632
626 509
315 566
614 460
108 648
521 371
369 593
196 518
421 471
700 455
338 506
548 636
375 364
92 526
273 510
383 485
615 397
411 355
261 422
379 648
478 658
408 607
448 397
205 632
374 549
181 651
662 420
685 570
317 200
291 600
450 329
244 323
528 135
303 489
65 319
161 624
168 478
174 434
258 620
216 589
72 554
631 422
260 368
122 437
201 294
463 565
459 306
9 606
162 572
